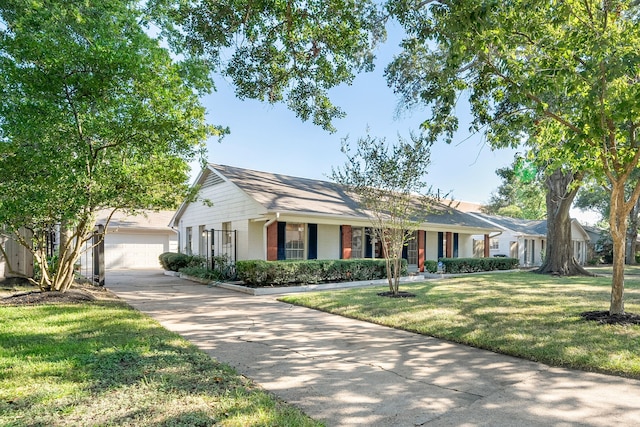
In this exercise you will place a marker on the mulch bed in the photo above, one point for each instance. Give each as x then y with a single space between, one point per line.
604 318
79 293
400 294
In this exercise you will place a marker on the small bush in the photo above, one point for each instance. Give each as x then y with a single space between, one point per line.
202 273
431 266
287 273
474 265
174 261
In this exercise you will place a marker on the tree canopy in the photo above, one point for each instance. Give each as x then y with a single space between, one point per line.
521 194
93 114
559 76
290 51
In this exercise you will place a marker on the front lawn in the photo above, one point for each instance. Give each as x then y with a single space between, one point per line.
527 315
102 363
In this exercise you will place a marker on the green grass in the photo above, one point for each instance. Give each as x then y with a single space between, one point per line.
103 363
527 315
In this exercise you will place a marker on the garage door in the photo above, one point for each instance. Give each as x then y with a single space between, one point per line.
134 250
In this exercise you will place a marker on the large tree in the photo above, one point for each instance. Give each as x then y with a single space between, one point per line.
291 51
93 114
388 182
559 76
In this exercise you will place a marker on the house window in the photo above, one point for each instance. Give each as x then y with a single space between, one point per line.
412 250
494 244
226 233
357 242
294 241
189 241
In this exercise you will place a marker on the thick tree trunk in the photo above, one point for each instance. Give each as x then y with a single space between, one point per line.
618 223
559 257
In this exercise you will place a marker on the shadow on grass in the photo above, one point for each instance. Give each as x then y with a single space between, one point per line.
103 363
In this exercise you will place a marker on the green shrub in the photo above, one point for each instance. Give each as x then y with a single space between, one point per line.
174 261
431 266
202 273
286 273
163 259
474 265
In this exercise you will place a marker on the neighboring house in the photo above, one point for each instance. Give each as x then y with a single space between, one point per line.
594 247
526 239
259 215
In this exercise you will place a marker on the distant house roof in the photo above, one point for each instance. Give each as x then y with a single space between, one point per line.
294 195
595 233
142 220
521 226
525 227
466 206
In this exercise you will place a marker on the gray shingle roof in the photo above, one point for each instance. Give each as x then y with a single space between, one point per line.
523 226
144 219
283 193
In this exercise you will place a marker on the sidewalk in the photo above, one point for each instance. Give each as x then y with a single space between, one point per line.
352 373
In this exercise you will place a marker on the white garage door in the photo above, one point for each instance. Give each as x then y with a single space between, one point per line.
134 250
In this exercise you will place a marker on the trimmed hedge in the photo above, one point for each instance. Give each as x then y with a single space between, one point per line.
174 261
474 265
431 266
259 273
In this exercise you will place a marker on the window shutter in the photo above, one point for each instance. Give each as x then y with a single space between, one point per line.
282 236
440 244
455 245
368 249
312 252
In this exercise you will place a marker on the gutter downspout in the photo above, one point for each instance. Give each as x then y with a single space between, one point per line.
264 233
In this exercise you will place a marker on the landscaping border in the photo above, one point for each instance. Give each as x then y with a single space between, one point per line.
276 290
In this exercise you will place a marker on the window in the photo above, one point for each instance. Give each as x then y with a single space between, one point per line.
294 241
226 233
412 249
494 244
189 241
357 242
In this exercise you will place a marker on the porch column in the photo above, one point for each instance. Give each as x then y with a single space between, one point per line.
345 230
449 248
421 250
487 245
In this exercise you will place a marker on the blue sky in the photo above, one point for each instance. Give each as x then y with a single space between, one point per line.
271 138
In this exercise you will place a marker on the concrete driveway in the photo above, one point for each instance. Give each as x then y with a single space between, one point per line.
351 373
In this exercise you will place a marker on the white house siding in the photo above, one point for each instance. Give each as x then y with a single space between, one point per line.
328 241
229 203
255 244
465 245
579 238
431 246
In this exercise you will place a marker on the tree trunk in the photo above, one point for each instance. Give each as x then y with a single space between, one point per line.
618 222
559 257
